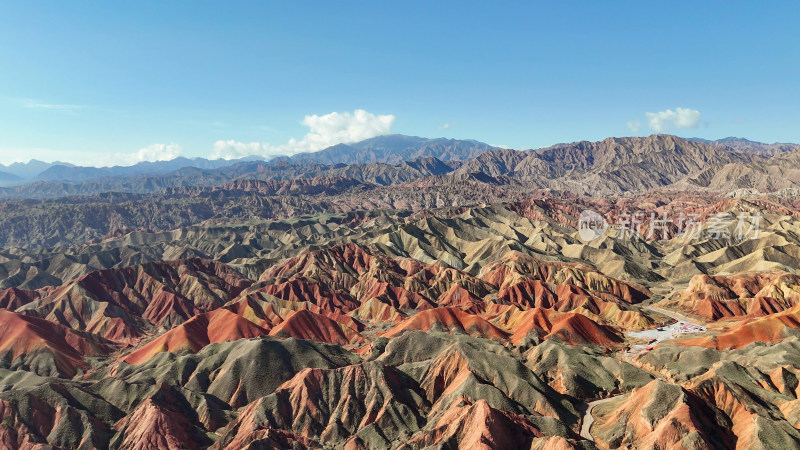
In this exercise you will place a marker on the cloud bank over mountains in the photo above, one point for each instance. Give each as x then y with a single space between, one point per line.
324 131
153 152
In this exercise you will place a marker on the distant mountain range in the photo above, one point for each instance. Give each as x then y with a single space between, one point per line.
390 149
20 173
61 178
8 178
61 172
31 168
748 146
393 149
608 167
35 170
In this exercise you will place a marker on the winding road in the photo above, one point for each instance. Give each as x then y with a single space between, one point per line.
586 409
588 418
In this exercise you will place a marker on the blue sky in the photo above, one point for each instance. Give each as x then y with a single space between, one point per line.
117 82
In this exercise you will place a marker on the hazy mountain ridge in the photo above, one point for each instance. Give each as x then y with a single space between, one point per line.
606 167
6 178
610 166
74 173
31 168
394 149
372 160
375 173
748 146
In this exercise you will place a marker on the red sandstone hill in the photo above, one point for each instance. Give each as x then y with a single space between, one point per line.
374 311
13 298
391 293
660 415
740 333
563 297
752 294
300 289
434 280
571 328
305 324
516 267
343 277
220 325
122 304
476 425
528 293
449 319
339 266
23 336
159 421
458 296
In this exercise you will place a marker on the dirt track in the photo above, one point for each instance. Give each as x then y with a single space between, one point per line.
588 418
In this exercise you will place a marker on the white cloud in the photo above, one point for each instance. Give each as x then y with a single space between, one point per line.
634 126
55 107
153 152
447 125
34 105
324 131
669 119
233 149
